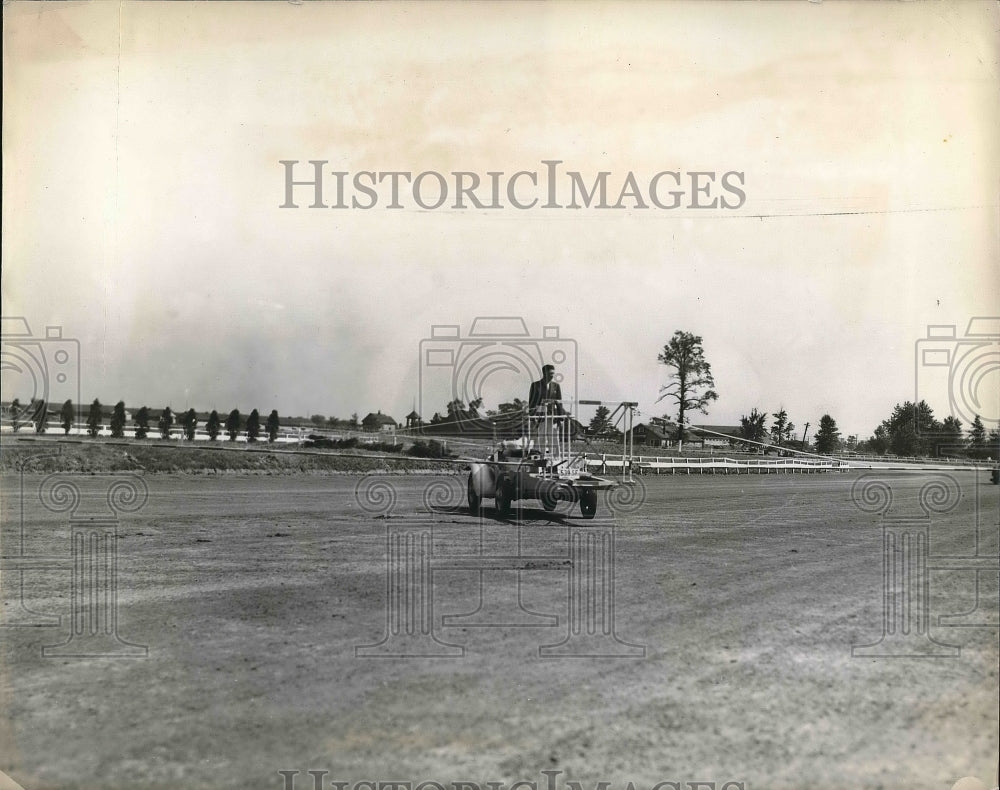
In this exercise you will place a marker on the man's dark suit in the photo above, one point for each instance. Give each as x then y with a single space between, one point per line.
539 392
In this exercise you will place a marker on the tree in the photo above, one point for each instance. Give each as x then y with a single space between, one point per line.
118 420
911 429
600 423
141 421
952 439
318 420
67 414
40 414
780 427
993 444
272 425
253 426
515 406
827 437
879 441
213 425
508 410
94 418
15 415
691 384
978 445
752 425
190 424
782 430
233 424
977 434
166 422
354 422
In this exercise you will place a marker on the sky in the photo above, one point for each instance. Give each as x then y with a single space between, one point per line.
142 188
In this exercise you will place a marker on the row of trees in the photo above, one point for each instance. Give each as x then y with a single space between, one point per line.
234 423
782 431
912 429
36 412
691 386
322 421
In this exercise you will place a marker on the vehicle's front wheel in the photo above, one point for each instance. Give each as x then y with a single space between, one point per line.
588 503
550 497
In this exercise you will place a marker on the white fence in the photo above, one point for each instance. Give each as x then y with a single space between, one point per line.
611 464
713 465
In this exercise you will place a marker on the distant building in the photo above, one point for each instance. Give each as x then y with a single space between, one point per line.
650 435
377 421
413 420
730 432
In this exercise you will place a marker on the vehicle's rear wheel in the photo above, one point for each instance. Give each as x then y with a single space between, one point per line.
503 498
588 503
475 501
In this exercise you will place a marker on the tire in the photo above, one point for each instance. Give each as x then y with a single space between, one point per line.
475 501
553 496
503 498
588 503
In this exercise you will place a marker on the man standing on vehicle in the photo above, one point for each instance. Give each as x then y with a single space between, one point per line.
545 391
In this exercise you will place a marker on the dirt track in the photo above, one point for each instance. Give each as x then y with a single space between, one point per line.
746 594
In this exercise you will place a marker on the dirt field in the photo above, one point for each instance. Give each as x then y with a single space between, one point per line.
736 602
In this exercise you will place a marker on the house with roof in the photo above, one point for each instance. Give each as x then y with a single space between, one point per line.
709 435
651 435
377 421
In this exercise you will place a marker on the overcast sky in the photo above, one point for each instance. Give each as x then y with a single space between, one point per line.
142 187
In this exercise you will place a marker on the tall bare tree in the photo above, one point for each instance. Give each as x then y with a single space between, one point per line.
691 385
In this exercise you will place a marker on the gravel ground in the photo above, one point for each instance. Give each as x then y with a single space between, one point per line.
721 646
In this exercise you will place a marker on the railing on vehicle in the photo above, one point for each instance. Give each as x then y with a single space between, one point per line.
548 432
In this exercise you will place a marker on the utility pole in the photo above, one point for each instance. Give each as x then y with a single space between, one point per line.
806 431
